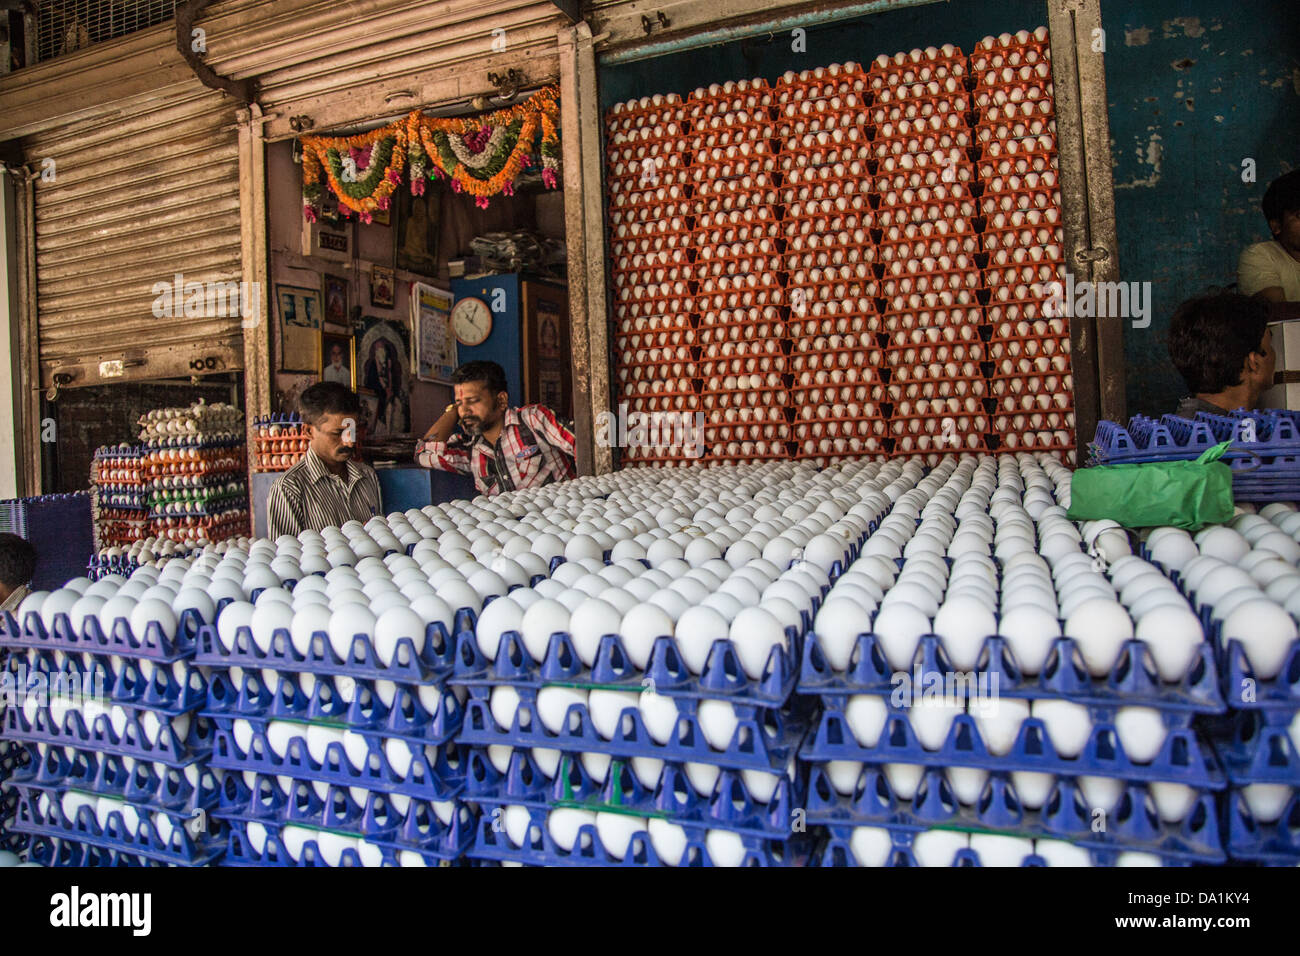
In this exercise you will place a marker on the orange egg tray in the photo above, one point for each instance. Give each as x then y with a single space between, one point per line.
1025 237
1019 130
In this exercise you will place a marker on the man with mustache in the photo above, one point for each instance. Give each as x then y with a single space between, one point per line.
327 486
507 448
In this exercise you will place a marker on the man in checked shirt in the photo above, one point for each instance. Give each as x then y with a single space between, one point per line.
507 448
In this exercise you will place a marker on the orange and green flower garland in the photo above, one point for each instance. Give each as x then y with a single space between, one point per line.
480 156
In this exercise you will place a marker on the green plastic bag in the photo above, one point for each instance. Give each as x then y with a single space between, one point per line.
1184 494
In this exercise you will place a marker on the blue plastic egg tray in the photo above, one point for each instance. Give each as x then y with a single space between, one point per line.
838 851
431 666
122 642
127 685
378 820
1133 680
1281 692
1173 438
73 731
240 852
492 843
1182 758
443 778
729 807
764 738
407 718
1256 747
108 776
183 850
1276 843
57 851
1064 815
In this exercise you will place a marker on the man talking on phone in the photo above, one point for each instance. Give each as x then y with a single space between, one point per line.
505 448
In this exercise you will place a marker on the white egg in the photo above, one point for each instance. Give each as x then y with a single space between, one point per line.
939 847
1100 626
640 628
1068 725
346 623
871 846
1265 631
696 631
554 704
1030 631
499 617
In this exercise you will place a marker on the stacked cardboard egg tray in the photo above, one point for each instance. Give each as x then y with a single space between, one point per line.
1258 739
113 766
603 757
1010 763
740 295
335 760
836 391
929 276
1029 350
651 218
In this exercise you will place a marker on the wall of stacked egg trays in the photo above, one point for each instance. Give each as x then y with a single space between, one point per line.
849 262
724 665
185 482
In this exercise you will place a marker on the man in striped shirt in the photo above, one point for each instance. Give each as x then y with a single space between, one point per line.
507 448
327 486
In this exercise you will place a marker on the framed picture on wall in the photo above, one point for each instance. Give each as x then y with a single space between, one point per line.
300 328
383 287
416 236
336 290
339 359
383 358
435 345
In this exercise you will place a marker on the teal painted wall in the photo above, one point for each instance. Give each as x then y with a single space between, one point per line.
1193 87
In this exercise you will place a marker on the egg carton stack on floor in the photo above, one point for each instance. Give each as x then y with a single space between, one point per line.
1047 733
116 756
1242 578
625 714
740 296
651 218
1021 207
836 393
119 495
334 724
924 183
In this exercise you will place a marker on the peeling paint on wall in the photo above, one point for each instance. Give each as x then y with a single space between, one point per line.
1191 26
1139 37
1151 156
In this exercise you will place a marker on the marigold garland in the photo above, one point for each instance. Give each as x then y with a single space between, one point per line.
481 156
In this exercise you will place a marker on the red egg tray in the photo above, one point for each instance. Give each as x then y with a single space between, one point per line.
1018 130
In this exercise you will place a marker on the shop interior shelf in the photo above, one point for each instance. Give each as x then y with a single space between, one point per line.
1133 680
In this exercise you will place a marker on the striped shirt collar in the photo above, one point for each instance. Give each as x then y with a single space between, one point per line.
16 598
317 470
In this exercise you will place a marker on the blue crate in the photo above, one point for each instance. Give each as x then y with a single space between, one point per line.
441 779
1256 747
153 644
107 775
1182 759
183 850
378 820
160 692
1133 680
723 676
73 731
764 739
431 666
1063 816
492 843
837 851
1276 843
729 807
59 526
240 852
407 718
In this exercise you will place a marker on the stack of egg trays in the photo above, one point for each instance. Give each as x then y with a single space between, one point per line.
1011 100
829 257
838 851
1254 742
71 753
13 757
648 160
760 705
254 794
737 202
1132 681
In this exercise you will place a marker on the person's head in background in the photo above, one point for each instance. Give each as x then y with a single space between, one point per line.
481 395
1281 207
333 414
336 354
1223 348
17 564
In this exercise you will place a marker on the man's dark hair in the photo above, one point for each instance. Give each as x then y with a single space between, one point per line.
17 561
492 375
1210 337
327 398
1282 196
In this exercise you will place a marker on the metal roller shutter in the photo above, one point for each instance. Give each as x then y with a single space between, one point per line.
140 194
